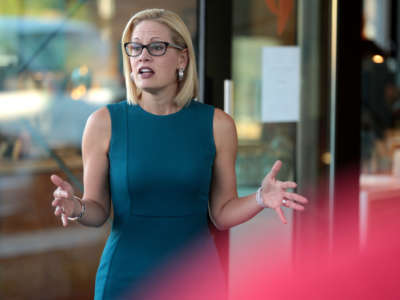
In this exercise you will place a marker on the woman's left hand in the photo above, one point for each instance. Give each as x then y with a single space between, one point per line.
274 193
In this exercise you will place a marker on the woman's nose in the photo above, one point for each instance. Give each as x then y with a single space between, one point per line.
145 55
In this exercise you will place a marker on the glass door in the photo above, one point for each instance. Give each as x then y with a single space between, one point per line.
380 121
281 105
265 106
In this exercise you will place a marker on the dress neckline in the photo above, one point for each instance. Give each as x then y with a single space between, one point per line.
174 114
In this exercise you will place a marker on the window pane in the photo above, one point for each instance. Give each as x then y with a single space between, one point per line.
59 62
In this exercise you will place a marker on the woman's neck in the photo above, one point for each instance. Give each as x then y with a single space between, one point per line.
159 104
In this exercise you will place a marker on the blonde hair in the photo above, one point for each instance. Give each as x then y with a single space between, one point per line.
188 87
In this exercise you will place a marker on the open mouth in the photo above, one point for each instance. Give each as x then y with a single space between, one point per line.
146 70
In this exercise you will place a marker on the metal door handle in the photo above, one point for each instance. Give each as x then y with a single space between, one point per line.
228 96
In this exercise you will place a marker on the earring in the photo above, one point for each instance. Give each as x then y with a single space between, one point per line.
180 74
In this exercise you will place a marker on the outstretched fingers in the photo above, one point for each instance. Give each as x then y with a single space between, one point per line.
287 185
61 211
293 205
294 201
64 220
60 193
280 214
295 197
58 211
61 196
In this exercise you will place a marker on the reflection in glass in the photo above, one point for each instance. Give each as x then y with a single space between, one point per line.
59 62
380 119
257 24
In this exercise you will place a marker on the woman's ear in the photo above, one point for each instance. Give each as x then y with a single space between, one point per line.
183 59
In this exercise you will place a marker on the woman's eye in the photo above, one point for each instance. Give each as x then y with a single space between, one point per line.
157 47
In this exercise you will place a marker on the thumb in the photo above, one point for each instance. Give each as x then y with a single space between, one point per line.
58 181
275 169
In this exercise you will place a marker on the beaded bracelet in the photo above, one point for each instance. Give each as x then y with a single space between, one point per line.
83 209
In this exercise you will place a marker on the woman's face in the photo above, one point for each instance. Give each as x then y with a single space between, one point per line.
150 73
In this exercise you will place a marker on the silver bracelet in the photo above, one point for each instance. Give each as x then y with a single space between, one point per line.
259 198
83 209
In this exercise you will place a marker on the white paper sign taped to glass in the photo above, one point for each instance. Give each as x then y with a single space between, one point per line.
280 84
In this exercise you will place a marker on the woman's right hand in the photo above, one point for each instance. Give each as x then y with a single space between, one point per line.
64 202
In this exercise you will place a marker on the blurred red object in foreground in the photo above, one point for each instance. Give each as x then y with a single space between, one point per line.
348 273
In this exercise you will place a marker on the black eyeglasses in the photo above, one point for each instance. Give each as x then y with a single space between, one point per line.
134 49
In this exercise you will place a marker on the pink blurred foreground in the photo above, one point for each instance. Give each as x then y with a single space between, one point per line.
372 272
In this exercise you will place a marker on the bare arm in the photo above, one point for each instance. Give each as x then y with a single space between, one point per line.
95 144
226 208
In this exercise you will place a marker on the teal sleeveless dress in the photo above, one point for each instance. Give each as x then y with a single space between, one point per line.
160 246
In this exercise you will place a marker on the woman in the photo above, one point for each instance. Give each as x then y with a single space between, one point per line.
165 160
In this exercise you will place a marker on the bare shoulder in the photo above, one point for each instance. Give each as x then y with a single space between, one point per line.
98 128
224 127
223 123
99 122
100 118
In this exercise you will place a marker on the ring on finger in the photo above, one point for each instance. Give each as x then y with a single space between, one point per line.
284 202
